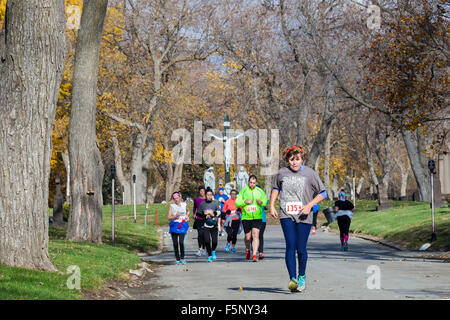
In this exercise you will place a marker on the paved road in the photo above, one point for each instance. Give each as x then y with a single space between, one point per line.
331 274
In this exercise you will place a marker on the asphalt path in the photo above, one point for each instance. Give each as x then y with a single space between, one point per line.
367 271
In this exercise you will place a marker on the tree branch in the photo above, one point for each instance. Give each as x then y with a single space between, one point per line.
123 121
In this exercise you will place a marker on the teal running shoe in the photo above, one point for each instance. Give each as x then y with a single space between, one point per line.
301 283
227 247
233 250
214 257
183 261
210 259
178 262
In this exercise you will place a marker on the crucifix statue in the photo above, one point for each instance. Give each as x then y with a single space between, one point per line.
227 147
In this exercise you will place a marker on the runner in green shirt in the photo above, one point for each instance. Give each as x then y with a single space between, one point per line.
251 199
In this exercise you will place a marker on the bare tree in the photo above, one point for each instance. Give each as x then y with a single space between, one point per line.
164 35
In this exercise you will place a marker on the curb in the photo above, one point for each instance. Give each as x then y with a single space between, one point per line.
374 239
438 255
381 241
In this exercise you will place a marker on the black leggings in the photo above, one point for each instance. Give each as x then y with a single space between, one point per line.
178 245
233 231
344 225
198 224
210 237
261 237
315 219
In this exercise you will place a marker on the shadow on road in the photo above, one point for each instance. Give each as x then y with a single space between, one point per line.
258 289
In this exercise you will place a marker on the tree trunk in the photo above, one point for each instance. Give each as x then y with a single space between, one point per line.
140 162
119 171
359 187
151 192
419 163
58 201
139 168
387 167
328 116
174 176
326 165
86 176
32 45
335 188
268 180
65 157
383 194
404 183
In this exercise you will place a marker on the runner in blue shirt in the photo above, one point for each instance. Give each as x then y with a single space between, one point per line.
221 197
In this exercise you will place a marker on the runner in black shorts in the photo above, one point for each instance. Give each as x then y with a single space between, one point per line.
248 225
251 199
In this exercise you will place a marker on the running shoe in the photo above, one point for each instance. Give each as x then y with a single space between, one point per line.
204 252
178 262
261 256
183 261
214 257
342 248
247 254
199 253
210 259
227 247
255 259
233 250
313 230
293 285
301 283
345 246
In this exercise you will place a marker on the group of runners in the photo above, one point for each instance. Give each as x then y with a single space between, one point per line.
299 191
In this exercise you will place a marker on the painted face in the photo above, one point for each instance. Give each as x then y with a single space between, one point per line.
295 162
252 183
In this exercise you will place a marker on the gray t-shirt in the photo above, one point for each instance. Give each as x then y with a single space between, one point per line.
296 189
206 208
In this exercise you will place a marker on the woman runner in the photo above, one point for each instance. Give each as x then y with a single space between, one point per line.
178 216
299 188
232 221
344 213
209 210
199 221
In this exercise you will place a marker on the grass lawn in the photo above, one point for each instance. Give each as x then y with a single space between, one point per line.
98 263
407 223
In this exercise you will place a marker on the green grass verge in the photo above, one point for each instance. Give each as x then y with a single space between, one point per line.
407 223
98 263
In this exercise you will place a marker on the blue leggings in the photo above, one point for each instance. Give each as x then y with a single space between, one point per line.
296 236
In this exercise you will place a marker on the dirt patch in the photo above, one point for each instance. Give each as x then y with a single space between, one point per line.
440 256
132 288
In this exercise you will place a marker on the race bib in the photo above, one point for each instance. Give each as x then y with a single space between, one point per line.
252 208
293 207
181 218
